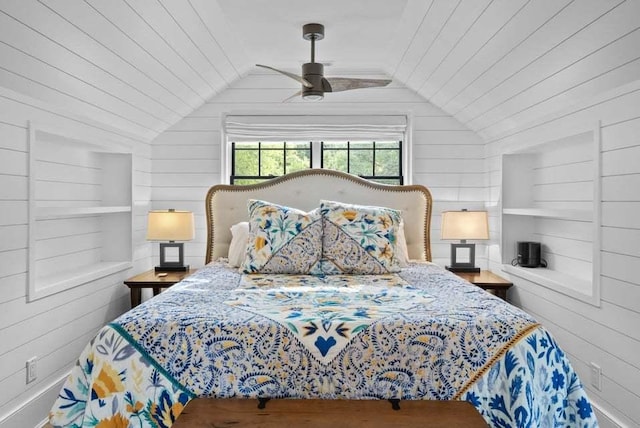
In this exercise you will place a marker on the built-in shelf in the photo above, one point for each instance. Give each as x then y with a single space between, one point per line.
579 215
568 284
80 210
76 276
551 194
43 213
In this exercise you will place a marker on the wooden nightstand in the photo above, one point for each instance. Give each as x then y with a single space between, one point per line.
488 280
150 279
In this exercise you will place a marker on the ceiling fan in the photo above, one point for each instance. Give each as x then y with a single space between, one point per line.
314 84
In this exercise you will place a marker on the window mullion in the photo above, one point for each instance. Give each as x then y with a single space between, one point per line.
284 157
373 167
259 159
316 154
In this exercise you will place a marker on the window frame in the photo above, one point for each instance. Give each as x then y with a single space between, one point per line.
373 177
231 134
260 149
316 158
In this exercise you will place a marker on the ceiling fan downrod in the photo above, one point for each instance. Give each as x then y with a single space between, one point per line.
313 32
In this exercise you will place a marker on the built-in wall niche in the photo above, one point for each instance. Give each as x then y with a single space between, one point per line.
551 194
80 216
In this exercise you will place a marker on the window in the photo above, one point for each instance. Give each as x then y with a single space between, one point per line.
254 162
373 160
259 147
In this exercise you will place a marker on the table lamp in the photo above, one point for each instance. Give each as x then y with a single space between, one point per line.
170 225
463 225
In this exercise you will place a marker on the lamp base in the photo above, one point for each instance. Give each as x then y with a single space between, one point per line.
462 269
172 268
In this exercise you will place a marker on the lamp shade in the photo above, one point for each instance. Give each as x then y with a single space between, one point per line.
170 225
465 225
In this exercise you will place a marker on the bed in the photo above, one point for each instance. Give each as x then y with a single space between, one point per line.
412 331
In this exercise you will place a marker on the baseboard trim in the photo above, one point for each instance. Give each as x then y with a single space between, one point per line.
605 418
29 413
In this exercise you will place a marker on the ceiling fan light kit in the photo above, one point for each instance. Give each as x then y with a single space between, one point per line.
314 84
313 72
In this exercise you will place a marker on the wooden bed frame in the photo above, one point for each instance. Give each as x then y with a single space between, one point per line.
226 205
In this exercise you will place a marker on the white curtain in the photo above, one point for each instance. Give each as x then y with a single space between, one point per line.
315 127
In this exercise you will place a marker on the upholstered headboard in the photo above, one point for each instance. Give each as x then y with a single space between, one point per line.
227 204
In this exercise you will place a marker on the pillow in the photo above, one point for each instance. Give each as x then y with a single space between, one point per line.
359 239
282 240
238 245
403 251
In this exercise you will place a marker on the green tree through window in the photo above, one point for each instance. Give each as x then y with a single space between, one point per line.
254 162
373 160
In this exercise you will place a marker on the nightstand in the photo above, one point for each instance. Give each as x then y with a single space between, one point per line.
488 280
151 279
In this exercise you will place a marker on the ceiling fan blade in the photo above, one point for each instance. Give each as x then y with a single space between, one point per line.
297 94
295 77
339 84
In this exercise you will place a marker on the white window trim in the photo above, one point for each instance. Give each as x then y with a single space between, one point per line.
406 136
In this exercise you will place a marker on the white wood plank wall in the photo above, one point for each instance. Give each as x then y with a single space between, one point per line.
447 157
563 179
57 327
133 69
605 335
136 66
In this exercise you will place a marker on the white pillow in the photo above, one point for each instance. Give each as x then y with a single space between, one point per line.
238 245
401 247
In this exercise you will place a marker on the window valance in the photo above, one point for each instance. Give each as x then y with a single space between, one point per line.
314 127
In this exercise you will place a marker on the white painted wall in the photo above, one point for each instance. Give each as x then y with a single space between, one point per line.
447 158
57 327
607 335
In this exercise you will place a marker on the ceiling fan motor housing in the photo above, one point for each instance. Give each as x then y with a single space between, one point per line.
313 31
313 73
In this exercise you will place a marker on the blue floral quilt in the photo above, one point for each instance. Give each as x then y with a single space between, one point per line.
420 334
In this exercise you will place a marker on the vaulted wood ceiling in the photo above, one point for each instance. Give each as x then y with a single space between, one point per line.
148 63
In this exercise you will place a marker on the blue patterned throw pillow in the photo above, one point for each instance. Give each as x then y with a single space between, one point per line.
359 239
282 240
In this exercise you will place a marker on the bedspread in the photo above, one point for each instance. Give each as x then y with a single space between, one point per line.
420 334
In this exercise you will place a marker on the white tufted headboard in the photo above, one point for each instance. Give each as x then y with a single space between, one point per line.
227 205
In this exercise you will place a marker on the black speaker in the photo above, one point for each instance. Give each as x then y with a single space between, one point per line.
529 254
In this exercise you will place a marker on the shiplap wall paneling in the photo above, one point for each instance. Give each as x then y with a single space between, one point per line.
580 53
137 66
54 328
169 39
447 157
481 50
447 38
42 68
494 66
604 335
